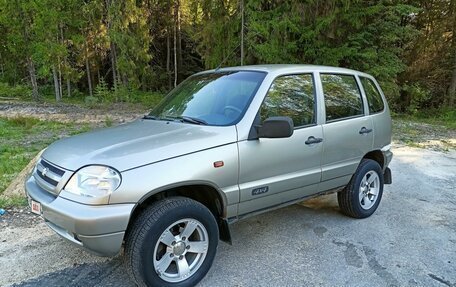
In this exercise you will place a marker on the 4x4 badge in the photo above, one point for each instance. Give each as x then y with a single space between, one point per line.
260 190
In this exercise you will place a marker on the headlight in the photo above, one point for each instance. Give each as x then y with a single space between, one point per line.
94 181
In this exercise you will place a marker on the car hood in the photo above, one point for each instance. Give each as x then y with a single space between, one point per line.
135 144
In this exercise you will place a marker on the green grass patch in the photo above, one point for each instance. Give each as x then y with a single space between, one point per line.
20 140
15 200
443 117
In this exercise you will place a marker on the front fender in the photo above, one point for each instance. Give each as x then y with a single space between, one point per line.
195 168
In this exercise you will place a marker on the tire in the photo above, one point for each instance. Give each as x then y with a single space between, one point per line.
171 220
359 199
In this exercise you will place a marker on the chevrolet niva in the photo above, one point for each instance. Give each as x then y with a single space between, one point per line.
223 145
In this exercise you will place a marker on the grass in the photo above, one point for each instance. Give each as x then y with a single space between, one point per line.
20 140
445 117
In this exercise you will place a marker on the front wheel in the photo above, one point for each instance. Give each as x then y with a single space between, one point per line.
361 197
172 243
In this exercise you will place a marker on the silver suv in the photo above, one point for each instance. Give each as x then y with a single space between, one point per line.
224 145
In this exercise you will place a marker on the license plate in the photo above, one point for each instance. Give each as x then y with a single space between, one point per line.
36 207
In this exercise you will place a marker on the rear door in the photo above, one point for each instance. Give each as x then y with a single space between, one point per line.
274 171
378 112
347 132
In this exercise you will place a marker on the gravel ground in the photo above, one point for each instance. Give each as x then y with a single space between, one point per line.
409 241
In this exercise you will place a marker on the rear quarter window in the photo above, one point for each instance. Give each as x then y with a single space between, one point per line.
342 96
374 98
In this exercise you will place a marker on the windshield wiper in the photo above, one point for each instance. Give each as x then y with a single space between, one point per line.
185 119
149 117
192 120
169 119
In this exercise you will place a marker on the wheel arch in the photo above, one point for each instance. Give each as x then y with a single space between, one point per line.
377 156
203 192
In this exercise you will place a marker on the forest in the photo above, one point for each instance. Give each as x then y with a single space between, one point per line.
120 50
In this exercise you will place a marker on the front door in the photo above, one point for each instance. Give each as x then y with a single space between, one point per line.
274 171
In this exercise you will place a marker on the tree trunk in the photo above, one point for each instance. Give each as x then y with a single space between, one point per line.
68 87
32 73
114 65
168 47
66 68
242 32
125 80
56 83
60 83
89 78
168 57
175 43
65 62
179 38
30 64
452 89
1 65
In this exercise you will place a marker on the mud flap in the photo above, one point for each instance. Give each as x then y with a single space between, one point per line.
224 229
387 176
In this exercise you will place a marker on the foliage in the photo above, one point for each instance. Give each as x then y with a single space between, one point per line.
418 96
431 55
102 91
116 51
91 101
17 91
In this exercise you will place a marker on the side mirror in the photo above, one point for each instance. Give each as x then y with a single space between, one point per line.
276 127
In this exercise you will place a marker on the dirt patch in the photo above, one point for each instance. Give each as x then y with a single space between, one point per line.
18 217
117 113
422 135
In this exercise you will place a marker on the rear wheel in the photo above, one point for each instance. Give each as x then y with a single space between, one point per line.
361 197
172 243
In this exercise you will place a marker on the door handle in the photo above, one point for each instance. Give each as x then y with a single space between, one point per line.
364 130
313 140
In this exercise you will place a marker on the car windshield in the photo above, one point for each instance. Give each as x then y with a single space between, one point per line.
219 98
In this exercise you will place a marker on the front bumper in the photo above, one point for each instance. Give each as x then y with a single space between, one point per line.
97 228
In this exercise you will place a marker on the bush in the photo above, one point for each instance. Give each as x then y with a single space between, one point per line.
91 101
103 92
418 97
18 91
47 91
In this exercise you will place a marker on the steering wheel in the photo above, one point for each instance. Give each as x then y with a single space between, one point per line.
232 108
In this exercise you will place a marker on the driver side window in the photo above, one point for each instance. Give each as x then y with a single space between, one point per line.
292 96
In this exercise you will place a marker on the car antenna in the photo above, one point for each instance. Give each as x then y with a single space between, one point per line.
234 50
226 58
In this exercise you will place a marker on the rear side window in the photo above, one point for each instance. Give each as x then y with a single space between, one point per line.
291 96
374 99
342 96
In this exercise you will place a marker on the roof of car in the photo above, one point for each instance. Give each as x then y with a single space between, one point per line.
284 68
